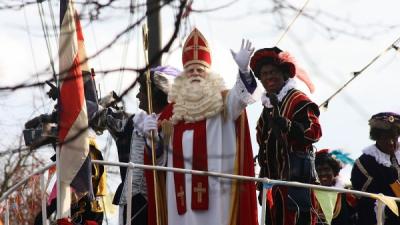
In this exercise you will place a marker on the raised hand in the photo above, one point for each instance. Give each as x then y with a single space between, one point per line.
242 57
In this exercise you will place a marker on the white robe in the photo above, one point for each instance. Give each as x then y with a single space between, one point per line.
221 149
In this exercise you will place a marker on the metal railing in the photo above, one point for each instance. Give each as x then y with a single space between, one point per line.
131 166
5 196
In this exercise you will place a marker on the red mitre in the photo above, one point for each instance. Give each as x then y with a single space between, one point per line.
196 50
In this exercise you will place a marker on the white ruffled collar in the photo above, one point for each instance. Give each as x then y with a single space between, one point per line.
289 85
339 182
381 157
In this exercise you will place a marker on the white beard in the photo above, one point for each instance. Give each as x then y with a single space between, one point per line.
195 101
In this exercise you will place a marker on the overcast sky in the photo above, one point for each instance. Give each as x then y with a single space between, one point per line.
360 31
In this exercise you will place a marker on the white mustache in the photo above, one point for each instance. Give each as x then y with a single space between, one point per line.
201 79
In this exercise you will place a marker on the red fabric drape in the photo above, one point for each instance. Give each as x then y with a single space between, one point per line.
64 221
247 213
151 208
200 162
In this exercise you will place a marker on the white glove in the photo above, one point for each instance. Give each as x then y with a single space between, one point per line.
242 58
150 124
138 121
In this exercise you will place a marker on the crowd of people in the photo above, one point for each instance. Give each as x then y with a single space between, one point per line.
199 124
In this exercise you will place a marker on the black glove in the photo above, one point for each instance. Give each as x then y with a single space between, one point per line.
273 99
296 129
53 92
259 197
281 123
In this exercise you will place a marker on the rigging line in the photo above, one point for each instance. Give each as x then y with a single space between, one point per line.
356 74
46 37
356 106
98 58
100 64
186 25
28 31
138 35
226 5
164 49
121 33
291 23
125 50
123 64
53 22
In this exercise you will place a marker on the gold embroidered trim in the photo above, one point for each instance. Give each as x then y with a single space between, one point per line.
364 171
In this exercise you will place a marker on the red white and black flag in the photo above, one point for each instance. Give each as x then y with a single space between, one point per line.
74 163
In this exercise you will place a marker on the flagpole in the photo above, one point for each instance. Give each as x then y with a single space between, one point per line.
150 111
58 183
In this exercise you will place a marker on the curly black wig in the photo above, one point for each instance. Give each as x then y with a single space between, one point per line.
326 158
158 95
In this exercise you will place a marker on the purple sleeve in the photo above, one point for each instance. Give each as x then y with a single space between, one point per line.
249 81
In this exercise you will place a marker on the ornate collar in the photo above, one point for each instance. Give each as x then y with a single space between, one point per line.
289 85
381 157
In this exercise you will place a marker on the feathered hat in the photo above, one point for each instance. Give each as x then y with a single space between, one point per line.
163 77
281 59
335 158
271 56
196 50
385 121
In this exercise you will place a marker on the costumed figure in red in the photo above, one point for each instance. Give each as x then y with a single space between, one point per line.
286 130
328 164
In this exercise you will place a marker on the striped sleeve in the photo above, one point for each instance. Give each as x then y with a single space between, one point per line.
305 127
313 131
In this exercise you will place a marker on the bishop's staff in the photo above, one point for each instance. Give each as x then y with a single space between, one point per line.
150 110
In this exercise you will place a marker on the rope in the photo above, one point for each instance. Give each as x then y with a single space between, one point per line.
28 31
53 22
125 48
325 103
46 37
291 23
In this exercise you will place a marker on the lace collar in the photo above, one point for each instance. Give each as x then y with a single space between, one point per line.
381 157
339 182
289 85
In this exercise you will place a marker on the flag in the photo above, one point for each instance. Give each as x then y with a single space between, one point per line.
327 201
388 201
88 80
73 119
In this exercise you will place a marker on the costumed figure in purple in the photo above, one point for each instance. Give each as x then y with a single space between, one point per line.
377 170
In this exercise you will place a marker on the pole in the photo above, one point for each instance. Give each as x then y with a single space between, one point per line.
43 194
7 214
154 32
129 197
150 111
263 205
